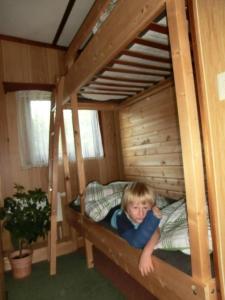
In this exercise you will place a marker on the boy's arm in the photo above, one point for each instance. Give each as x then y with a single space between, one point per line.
145 262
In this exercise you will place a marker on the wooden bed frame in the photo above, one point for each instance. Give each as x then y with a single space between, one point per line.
166 282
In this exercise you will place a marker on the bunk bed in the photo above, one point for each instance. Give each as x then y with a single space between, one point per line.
91 76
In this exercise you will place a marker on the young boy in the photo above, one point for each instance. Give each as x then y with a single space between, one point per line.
137 221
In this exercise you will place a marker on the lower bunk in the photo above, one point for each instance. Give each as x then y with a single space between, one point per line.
167 282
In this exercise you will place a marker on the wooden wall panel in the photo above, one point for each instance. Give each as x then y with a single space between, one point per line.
39 66
55 61
150 140
32 64
16 62
109 168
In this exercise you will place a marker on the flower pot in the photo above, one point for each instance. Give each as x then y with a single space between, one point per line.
21 266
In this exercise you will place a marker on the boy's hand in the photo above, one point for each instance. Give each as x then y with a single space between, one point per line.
157 212
145 263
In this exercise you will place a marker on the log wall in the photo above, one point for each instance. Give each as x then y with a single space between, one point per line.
151 142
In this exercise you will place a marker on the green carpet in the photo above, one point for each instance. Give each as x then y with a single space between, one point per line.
72 281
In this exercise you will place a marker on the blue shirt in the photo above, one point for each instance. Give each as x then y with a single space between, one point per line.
137 235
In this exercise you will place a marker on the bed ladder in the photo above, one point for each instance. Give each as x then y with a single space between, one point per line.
81 172
55 123
67 178
57 126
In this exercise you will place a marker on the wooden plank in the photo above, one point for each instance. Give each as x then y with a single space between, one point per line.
110 169
190 139
118 145
141 65
67 178
150 123
80 172
95 105
21 86
171 159
142 55
153 105
156 171
110 40
53 184
156 136
50 158
26 63
39 65
149 92
5 159
2 275
206 20
56 67
154 110
79 157
16 62
97 9
89 253
151 149
156 124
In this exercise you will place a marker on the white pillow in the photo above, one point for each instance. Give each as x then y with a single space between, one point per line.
174 228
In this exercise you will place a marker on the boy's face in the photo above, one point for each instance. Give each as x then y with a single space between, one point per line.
137 211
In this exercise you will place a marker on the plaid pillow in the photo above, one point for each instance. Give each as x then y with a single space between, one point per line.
99 199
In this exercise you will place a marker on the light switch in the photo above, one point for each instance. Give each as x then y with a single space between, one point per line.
221 85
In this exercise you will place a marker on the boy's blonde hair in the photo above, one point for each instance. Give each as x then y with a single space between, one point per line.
138 191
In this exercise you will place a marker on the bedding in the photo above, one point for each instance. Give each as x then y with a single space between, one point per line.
174 228
101 199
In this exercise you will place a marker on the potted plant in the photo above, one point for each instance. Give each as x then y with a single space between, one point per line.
26 215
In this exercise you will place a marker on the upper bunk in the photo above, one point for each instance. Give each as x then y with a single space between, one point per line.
117 64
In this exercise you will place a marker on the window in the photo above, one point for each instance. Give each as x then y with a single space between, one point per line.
91 141
33 125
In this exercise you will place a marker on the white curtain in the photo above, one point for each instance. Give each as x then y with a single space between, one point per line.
91 140
33 116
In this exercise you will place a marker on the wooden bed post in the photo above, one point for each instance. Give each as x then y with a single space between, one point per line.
80 171
53 171
67 180
190 139
209 63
